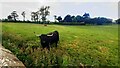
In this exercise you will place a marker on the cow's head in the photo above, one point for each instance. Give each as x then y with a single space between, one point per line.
43 38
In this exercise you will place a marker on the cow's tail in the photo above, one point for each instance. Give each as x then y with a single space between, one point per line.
57 35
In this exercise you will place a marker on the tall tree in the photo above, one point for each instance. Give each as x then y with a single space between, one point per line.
44 12
86 15
23 14
55 17
59 18
37 16
34 16
14 15
9 18
68 18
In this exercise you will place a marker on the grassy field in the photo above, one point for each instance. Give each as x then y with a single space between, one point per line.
78 45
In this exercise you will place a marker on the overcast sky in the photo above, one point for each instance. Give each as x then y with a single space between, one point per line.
96 8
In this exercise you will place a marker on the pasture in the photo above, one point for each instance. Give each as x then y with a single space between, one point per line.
78 45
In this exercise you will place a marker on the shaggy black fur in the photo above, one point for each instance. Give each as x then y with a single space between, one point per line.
48 39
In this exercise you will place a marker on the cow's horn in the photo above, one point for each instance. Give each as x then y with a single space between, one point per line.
50 35
38 35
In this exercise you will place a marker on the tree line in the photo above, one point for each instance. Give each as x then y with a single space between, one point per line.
40 16
82 20
37 16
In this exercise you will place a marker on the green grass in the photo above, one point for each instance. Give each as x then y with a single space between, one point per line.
0 33
78 45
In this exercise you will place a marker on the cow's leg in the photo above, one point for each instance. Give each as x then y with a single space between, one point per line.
48 46
42 46
56 43
33 48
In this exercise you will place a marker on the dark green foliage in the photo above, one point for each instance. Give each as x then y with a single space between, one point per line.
83 20
79 18
59 18
14 16
86 15
68 18
118 21
9 18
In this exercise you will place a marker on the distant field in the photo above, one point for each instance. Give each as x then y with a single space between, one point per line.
79 45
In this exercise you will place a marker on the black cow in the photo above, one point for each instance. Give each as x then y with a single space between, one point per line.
48 39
